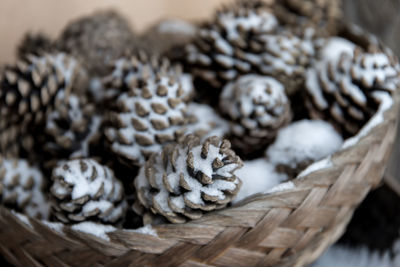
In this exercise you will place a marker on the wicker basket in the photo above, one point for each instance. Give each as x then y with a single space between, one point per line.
286 228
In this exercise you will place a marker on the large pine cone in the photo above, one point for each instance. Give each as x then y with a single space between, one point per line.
245 39
346 85
84 190
189 178
323 16
28 91
257 107
70 128
98 40
22 188
151 112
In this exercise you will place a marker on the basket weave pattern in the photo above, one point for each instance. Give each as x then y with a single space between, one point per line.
288 228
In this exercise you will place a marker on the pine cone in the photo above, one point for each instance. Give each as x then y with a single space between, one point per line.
344 88
70 128
247 39
34 44
323 16
28 91
85 190
133 72
189 178
257 107
149 115
21 188
98 40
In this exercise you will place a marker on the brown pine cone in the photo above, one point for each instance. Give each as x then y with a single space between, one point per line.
190 178
98 40
34 44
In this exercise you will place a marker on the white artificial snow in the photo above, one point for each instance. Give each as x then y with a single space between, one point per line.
281 187
304 141
55 226
342 256
333 47
146 230
22 218
176 26
319 165
257 176
208 121
96 229
386 102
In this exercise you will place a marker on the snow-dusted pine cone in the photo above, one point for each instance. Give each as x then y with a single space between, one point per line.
190 178
257 107
84 190
34 44
344 87
130 73
245 39
98 40
21 188
150 114
28 91
323 16
70 128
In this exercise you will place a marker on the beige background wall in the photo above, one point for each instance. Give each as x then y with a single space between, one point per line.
50 16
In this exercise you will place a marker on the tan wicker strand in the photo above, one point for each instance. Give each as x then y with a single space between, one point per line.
287 228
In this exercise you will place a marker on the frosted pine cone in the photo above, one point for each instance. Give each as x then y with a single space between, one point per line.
323 16
71 127
189 178
130 73
84 190
345 86
21 188
149 115
98 40
28 91
245 39
257 107
34 44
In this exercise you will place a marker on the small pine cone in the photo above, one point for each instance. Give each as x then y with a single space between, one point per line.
84 190
21 188
189 178
70 128
28 91
98 40
34 44
129 73
150 114
246 39
323 16
257 107
345 88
